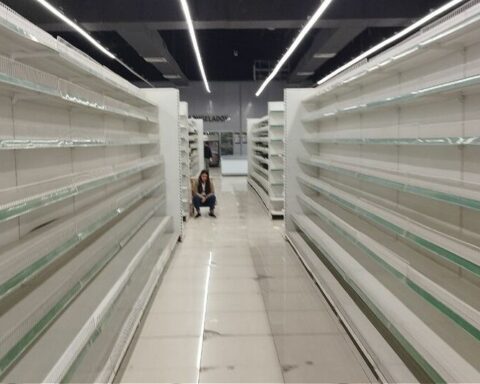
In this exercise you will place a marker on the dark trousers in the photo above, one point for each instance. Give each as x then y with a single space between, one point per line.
210 202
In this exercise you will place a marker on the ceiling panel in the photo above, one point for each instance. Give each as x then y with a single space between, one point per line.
232 34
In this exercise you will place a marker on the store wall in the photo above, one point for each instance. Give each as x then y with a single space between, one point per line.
229 105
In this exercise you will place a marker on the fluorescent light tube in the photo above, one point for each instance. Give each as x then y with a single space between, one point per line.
89 38
451 4
295 44
193 37
309 73
77 28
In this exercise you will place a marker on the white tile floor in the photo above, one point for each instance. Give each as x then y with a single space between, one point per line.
236 305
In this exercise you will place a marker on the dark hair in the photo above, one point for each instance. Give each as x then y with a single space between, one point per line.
207 183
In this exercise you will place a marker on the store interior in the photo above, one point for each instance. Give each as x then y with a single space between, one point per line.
240 191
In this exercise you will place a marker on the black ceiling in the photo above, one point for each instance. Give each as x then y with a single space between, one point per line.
232 34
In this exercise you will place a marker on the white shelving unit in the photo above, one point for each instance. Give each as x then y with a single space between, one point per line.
195 142
184 128
266 157
383 199
83 208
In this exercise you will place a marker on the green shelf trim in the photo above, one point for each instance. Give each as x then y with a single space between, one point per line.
39 265
37 330
56 92
399 186
426 141
263 160
47 43
17 144
67 378
260 130
19 208
425 244
409 348
261 169
25 84
390 101
424 294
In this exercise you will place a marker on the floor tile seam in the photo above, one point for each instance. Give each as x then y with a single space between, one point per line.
237 336
167 294
169 337
273 339
284 310
273 334
192 268
289 291
175 312
176 282
234 294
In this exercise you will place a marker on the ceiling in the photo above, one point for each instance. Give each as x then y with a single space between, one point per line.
240 40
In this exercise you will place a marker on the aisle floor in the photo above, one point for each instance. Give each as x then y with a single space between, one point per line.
236 305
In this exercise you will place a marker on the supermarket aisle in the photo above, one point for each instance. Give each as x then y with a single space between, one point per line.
235 305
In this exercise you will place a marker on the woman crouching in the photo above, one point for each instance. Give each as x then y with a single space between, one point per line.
204 194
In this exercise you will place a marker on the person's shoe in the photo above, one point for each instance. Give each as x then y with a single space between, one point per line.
211 214
197 215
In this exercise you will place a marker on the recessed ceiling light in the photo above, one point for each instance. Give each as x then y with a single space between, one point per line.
193 37
155 59
319 12
171 77
305 73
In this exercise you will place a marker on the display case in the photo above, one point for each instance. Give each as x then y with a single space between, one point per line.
266 157
383 199
84 226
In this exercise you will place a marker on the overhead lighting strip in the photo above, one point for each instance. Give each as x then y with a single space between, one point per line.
88 37
295 44
394 38
193 37
77 28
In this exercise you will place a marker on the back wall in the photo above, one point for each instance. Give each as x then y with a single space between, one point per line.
229 105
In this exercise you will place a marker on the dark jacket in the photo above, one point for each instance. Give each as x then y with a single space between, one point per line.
207 152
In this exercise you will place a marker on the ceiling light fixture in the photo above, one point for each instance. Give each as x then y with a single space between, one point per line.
193 37
323 6
306 73
451 4
324 55
172 76
154 60
77 28
88 37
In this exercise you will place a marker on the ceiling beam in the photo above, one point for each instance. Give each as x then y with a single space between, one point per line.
261 24
325 42
150 45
